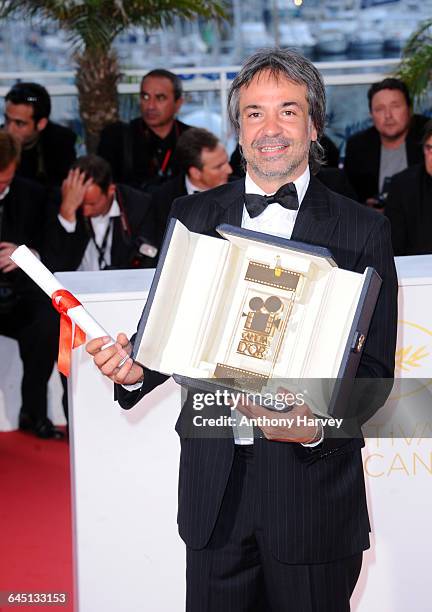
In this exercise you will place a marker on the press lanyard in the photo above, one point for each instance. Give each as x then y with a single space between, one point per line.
101 249
165 162
164 165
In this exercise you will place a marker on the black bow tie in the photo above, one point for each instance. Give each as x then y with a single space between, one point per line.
286 196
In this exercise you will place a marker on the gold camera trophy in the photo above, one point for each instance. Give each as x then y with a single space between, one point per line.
260 327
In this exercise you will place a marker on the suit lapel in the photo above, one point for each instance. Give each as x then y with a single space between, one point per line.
234 214
118 247
230 206
315 221
14 216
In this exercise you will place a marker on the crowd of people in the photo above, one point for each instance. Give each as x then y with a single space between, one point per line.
110 210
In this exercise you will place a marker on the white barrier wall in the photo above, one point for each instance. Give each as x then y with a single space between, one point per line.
398 461
128 555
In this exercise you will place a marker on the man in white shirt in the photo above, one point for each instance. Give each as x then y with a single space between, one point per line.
203 163
100 224
278 522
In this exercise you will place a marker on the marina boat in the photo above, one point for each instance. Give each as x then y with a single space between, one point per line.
367 42
297 34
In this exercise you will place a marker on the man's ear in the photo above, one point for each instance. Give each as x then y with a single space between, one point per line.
314 133
41 124
111 190
194 174
178 104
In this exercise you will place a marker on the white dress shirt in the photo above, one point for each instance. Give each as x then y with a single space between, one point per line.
100 224
190 187
276 221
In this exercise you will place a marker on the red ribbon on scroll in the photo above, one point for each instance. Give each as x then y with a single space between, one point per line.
62 300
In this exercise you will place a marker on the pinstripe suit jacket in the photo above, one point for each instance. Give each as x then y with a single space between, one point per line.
314 501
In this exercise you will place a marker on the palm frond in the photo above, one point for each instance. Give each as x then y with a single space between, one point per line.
96 23
415 68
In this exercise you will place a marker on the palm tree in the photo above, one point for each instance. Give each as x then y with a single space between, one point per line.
415 69
92 26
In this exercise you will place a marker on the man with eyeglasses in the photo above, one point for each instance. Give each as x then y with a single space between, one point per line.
142 152
408 204
48 149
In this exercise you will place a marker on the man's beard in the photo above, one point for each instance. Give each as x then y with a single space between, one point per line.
286 166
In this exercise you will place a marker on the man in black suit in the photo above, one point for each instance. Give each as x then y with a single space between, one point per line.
408 205
142 153
279 522
203 162
26 313
48 149
100 224
392 144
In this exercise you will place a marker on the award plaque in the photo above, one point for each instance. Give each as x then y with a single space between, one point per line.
259 330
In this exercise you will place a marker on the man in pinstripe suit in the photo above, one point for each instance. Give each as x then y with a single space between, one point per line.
280 522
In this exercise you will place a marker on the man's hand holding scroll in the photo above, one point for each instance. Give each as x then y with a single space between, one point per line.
114 362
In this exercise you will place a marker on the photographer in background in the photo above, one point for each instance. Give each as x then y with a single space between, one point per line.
204 164
47 148
392 144
142 153
100 225
26 313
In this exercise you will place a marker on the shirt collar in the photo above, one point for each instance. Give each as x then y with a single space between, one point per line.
169 139
301 184
4 193
114 211
190 187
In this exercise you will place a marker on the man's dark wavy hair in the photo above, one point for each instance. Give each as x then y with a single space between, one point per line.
190 146
34 95
97 168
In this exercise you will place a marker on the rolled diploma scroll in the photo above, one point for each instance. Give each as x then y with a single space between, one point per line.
35 269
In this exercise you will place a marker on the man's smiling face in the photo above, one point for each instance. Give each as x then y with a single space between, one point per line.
275 129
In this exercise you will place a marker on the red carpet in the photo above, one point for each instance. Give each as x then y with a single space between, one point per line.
35 518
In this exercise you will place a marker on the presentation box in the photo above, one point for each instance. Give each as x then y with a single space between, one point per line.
252 309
